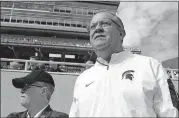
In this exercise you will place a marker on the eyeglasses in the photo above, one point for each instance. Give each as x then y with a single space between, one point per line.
103 23
106 23
29 86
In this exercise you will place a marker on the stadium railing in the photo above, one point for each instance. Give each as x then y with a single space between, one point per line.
80 67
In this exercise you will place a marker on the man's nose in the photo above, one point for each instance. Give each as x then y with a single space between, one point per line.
22 91
99 28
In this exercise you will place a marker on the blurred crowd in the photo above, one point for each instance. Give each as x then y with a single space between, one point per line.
172 74
44 41
51 67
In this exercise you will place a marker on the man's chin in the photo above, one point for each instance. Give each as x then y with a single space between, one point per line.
101 47
24 105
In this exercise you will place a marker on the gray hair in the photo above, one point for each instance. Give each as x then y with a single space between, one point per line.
50 88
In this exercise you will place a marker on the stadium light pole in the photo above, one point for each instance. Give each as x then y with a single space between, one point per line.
11 11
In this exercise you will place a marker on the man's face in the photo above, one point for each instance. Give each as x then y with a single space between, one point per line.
30 95
104 33
33 64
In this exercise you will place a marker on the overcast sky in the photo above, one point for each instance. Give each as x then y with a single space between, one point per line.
152 26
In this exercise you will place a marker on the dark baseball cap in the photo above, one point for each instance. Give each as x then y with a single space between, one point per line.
34 76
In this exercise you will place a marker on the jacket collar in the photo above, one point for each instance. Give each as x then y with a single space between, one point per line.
45 114
115 58
23 115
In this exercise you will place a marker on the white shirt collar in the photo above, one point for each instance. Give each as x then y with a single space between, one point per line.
115 58
39 113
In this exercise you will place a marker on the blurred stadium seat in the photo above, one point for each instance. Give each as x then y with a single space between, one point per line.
44 40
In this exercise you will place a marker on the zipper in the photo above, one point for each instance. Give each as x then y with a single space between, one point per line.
107 67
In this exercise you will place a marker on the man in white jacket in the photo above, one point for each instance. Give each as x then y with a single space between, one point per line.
120 84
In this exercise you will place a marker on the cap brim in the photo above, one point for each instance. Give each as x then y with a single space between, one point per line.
18 82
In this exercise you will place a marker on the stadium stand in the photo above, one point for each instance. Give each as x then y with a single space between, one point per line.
21 39
47 17
46 7
50 66
47 14
56 14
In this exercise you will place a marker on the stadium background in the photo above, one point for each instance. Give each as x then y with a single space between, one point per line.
50 31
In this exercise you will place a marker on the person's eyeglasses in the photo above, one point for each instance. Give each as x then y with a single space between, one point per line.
29 86
104 24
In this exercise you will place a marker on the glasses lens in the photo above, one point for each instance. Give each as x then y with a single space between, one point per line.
24 89
117 25
27 87
103 23
93 26
36 86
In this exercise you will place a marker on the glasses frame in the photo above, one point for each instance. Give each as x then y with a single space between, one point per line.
119 27
23 90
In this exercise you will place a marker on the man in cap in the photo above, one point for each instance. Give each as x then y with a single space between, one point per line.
36 88
120 84
33 65
15 65
53 67
89 62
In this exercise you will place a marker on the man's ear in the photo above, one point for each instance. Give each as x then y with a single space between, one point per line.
122 33
43 90
121 36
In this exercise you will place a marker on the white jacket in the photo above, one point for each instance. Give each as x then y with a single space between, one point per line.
129 86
